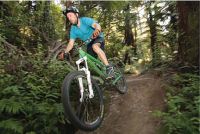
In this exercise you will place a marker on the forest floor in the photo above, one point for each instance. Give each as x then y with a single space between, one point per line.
132 113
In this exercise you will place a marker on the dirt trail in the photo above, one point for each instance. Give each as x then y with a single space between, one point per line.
132 113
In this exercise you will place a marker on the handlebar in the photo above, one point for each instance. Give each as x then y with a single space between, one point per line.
87 41
84 43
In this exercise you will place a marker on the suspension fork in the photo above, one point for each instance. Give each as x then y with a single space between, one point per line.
88 75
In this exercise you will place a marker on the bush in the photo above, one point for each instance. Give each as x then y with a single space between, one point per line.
30 94
183 103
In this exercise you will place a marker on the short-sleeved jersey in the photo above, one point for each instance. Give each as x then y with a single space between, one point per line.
85 30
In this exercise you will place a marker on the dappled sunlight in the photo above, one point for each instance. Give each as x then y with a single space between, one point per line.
154 39
26 31
131 69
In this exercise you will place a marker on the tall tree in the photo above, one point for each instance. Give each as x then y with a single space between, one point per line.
152 11
188 40
128 37
169 12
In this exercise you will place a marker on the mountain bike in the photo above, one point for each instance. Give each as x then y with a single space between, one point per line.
82 97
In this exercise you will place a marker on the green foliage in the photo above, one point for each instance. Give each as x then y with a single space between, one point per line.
30 97
29 23
113 49
30 88
11 126
183 103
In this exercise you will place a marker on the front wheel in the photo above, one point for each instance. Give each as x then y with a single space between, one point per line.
88 113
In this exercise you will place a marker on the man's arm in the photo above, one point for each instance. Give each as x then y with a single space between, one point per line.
70 45
97 30
96 26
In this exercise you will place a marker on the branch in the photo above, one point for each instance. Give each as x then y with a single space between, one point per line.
51 52
8 44
58 45
41 33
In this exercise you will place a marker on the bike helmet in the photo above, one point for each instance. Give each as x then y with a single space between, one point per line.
71 9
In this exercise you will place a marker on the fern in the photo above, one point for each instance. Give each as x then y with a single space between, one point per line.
30 132
12 125
183 105
11 90
11 106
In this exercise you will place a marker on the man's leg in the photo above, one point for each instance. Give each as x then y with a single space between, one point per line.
109 69
102 56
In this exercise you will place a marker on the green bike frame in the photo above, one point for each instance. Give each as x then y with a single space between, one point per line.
97 66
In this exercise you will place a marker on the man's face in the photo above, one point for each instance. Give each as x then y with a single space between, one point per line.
72 17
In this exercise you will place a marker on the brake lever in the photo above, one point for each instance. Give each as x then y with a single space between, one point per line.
87 41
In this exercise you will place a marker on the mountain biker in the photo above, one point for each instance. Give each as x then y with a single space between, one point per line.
85 28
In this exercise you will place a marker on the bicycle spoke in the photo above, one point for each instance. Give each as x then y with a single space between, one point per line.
87 111
87 115
84 113
79 110
91 108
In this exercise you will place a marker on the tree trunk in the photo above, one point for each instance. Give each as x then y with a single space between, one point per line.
153 37
173 30
155 50
135 33
129 38
1 10
188 40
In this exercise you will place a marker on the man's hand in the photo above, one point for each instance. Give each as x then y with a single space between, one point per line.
95 33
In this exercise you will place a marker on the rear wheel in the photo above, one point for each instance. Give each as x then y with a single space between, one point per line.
88 114
121 81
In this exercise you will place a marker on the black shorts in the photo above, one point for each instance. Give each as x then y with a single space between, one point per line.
96 40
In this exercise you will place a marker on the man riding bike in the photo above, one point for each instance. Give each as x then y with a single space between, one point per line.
85 28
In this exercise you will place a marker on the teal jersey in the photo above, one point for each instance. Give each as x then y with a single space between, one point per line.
85 30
